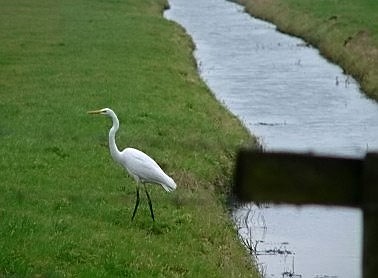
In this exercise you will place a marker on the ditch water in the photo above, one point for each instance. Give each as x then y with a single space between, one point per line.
293 100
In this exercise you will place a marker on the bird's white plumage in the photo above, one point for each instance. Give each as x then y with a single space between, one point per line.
138 164
143 168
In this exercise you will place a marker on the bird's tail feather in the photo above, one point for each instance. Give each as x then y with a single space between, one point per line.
169 184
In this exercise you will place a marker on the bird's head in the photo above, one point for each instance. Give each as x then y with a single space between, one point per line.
104 111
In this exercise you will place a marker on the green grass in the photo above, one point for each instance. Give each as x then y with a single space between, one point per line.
65 206
345 31
350 16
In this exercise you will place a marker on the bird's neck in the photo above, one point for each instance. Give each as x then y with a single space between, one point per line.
114 151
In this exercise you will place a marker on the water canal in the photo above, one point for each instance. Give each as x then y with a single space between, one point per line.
292 99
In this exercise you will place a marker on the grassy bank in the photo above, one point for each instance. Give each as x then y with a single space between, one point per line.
345 31
65 206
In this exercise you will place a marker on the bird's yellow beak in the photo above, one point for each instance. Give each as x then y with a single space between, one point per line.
94 112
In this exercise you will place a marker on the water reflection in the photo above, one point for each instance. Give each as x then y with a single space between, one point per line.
306 241
292 99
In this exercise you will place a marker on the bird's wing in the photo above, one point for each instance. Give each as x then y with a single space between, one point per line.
141 165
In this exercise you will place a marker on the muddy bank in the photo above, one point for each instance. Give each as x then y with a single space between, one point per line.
355 51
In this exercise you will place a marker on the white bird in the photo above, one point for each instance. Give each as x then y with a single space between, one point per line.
139 165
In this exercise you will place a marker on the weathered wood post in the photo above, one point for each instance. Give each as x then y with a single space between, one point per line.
370 209
307 179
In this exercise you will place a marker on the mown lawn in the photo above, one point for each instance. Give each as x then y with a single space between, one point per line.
65 206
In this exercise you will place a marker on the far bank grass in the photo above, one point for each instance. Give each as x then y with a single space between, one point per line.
65 206
345 31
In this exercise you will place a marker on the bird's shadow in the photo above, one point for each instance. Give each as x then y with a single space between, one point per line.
122 218
152 227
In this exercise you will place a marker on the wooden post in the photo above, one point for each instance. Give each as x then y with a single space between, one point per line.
308 179
370 209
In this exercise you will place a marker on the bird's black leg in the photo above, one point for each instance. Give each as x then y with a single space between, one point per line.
137 202
149 203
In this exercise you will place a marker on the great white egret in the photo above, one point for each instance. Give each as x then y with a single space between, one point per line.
139 165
